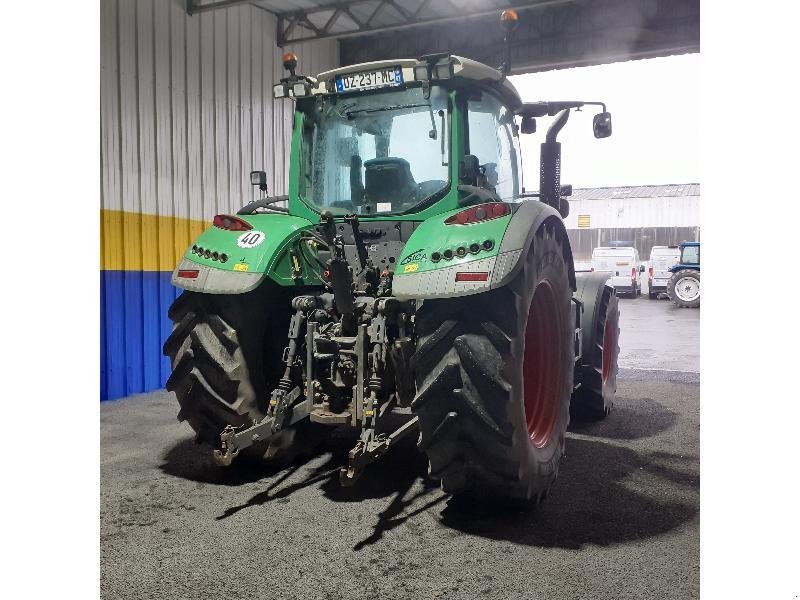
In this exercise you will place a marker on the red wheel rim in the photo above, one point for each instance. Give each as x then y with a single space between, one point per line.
609 345
542 368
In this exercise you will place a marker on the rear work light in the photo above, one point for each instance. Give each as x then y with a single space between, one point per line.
188 273
231 223
479 213
472 276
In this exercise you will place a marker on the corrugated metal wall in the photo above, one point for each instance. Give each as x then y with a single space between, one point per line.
186 113
646 222
672 211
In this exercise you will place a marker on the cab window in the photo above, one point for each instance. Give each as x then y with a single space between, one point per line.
492 138
691 255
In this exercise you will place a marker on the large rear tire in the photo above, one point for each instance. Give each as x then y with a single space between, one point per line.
226 359
494 374
683 288
598 367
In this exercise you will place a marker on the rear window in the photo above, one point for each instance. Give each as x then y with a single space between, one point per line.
691 254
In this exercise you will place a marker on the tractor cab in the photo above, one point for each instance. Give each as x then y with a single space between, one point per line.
411 138
690 257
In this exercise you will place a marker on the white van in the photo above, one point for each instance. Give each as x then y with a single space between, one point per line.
658 275
622 263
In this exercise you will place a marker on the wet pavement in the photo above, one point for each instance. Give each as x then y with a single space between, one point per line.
656 334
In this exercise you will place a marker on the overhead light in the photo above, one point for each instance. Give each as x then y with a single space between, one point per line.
421 72
279 91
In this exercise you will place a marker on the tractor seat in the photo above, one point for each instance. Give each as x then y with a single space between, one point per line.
389 180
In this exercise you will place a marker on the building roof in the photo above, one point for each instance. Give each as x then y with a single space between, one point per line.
637 191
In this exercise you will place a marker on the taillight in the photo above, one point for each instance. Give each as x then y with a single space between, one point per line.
633 272
231 223
650 272
479 213
188 273
472 276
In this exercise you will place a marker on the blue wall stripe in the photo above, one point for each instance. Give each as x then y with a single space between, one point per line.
134 326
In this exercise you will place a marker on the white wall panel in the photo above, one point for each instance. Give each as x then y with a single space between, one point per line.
668 211
187 109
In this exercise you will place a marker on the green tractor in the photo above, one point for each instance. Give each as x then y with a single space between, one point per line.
407 275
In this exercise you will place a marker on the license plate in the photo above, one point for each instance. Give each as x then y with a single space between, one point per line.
391 77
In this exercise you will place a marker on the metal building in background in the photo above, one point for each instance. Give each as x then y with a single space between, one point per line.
186 113
647 215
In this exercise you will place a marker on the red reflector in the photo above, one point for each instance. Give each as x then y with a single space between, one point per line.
472 276
189 273
231 223
479 213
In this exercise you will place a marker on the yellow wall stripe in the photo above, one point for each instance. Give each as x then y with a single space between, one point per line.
135 242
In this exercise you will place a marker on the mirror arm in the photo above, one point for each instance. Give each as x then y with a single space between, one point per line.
557 126
601 104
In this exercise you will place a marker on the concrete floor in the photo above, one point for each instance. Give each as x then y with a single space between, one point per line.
622 521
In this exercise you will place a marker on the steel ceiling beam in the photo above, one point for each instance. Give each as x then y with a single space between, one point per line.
193 7
573 34
288 21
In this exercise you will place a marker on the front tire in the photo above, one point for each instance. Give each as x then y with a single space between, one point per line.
494 374
594 397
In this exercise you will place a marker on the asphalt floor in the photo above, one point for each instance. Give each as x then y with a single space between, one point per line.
622 521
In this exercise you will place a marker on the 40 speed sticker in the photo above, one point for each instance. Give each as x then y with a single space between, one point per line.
251 239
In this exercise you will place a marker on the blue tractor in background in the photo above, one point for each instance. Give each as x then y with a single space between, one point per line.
683 287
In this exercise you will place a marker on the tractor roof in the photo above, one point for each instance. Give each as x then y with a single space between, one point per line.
463 68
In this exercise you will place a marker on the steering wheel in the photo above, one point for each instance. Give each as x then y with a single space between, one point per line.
426 188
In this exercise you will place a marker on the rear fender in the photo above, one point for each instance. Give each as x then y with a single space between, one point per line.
251 256
416 277
517 241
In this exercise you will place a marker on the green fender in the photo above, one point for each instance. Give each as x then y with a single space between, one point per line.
417 276
250 256
527 220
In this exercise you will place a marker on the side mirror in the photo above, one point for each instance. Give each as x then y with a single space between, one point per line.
469 168
259 178
528 125
602 125
566 190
